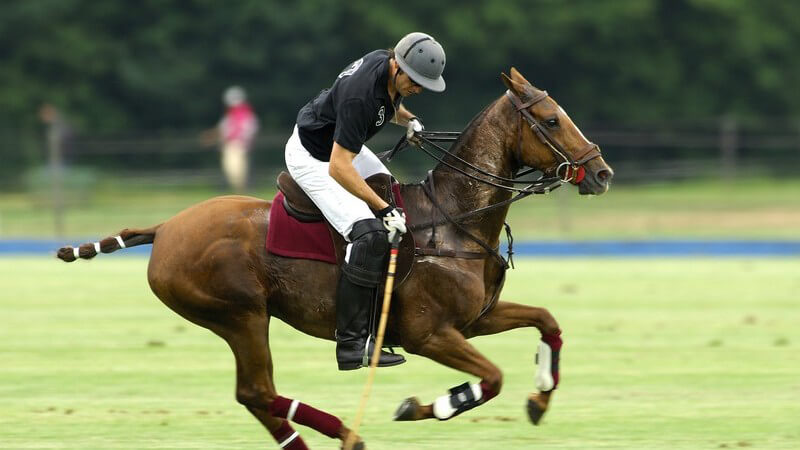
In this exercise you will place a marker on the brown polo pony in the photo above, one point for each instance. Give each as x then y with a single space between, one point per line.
209 263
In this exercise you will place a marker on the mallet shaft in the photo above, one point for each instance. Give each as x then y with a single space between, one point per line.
376 353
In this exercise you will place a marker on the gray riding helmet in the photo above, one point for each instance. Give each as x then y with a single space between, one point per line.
422 58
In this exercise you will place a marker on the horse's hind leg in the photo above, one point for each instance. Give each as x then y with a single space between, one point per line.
507 316
449 347
256 391
254 386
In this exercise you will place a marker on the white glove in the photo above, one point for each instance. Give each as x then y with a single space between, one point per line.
414 125
394 220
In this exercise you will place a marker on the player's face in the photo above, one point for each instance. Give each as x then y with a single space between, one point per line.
406 86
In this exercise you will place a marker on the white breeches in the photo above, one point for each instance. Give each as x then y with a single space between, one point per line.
234 165
340 207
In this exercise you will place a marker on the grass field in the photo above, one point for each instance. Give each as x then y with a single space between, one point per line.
673 354
751 208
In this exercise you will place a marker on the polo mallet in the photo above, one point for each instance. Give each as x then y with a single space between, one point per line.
376 353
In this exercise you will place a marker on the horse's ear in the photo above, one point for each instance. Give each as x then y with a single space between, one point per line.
516 76
513 86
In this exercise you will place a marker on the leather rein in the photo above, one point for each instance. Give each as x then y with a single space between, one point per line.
543 185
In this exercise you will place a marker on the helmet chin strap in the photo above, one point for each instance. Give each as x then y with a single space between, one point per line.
394 80
399 98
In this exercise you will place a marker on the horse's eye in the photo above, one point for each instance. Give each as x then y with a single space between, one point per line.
551 123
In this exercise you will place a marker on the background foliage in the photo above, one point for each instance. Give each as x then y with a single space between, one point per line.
161 64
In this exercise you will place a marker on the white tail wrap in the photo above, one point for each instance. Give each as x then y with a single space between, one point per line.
77 252
120 241
544 378
442 407
97 247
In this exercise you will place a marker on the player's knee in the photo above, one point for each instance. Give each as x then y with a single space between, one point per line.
368 250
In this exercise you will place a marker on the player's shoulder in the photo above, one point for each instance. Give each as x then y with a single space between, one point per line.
366 68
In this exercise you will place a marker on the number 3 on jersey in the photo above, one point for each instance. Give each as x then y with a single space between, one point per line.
351 69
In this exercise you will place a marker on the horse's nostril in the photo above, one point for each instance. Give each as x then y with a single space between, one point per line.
604 175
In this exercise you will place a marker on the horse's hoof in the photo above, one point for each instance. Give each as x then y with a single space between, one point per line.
360 445
357 446
408 410
536 408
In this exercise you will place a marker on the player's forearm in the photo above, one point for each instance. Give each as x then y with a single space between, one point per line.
342 170
402 117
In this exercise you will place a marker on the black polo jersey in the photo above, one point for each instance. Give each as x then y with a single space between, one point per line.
351 111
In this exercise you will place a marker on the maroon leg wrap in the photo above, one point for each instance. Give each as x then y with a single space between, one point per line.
283 433
306 415
488 392
555 343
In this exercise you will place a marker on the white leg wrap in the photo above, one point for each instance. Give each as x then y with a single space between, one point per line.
289 440
544 378
76 251
97 247
292 410
120 241
443 408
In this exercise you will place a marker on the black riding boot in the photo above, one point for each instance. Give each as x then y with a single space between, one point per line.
360 276
352 328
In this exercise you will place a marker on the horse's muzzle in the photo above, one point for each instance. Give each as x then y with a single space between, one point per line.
597 180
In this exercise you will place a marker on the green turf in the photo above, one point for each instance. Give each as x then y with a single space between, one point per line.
673 354
754 208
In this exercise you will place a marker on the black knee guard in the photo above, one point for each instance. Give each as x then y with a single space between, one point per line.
368 252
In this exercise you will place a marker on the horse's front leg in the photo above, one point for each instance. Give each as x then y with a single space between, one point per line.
449 347
507 316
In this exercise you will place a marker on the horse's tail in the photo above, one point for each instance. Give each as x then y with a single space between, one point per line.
126 238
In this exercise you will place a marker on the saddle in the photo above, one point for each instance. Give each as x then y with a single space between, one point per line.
299 206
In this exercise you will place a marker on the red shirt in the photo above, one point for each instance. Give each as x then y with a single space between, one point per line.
239 124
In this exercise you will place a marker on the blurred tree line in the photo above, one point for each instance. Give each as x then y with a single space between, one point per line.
153 66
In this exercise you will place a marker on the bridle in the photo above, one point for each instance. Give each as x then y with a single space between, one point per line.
573 173
573 169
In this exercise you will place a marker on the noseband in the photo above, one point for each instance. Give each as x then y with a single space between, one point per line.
573 169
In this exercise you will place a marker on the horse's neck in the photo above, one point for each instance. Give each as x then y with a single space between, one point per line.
487 143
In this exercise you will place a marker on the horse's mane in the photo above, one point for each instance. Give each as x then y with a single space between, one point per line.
465 135
472 124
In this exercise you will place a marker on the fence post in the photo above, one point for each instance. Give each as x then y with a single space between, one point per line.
728 146
56 169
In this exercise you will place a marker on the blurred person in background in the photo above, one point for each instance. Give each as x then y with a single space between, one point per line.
327 157
58 138
58 134
235 133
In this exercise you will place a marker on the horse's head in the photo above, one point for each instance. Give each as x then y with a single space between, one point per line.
549 141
